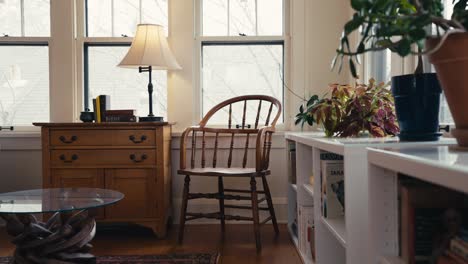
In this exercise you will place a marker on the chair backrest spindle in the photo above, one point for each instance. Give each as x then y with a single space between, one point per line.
244 114
194 145
269 115
215 151
230 116
258 113
246 150
203 150
231 148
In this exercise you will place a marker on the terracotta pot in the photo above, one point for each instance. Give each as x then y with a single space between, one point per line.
451 64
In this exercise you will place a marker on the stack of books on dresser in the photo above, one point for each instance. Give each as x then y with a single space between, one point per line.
123 115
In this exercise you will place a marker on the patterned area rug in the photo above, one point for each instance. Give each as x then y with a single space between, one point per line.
202 258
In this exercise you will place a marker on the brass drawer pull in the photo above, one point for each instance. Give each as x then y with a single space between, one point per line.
64 159
134 140
134 159
64 140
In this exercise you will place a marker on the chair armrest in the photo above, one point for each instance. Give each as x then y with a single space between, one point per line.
263 147
183 146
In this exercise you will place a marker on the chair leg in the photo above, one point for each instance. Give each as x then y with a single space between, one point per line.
270 204
221 203
183 209
253 190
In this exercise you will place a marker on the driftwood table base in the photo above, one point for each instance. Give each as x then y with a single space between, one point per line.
63 239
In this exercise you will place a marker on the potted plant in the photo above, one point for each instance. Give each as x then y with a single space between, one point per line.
402 25
352 111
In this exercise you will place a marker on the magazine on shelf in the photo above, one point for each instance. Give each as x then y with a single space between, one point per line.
332 188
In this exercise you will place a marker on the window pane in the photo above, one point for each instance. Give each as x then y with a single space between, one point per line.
112 18
126 17
24 85
99 18
270 17
37 18
234 70
215 18
249 17
10 17
126 87
242 17
155 12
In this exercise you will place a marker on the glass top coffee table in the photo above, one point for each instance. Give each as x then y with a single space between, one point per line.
65 237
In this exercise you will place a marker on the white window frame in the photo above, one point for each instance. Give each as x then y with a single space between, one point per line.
199 40
29 41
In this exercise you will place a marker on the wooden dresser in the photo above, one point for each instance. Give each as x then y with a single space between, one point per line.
133 158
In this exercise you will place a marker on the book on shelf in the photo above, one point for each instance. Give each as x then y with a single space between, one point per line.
123 112
332 188
306 214
100 105
428 217
326 157
120 118
311 237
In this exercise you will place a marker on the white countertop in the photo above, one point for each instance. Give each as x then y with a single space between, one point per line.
337 145
443 165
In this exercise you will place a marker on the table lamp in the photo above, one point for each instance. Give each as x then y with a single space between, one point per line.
150 51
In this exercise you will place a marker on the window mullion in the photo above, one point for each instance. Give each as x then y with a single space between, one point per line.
22 18
112 19
256 17
140 11
228 17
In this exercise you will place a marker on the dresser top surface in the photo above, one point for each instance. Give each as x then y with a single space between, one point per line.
104 124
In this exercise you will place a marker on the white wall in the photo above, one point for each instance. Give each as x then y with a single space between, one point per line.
315 30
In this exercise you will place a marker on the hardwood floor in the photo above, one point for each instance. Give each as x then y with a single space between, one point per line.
238 245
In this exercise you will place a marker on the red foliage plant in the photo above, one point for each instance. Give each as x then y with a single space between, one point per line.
351 111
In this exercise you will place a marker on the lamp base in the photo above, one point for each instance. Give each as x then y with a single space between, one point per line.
151 119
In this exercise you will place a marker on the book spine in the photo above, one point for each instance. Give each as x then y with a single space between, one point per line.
95 110
98 110
120 118
104 105
130 112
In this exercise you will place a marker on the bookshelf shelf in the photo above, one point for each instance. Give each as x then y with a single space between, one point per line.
337 226
309 189
445 166
337 240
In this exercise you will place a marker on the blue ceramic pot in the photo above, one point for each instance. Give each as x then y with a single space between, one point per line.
417 102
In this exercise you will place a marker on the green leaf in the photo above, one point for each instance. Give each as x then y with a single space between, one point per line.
404 47
301 109
354 24
358 4
418 34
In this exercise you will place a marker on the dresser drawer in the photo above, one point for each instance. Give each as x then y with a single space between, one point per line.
103 158
100 137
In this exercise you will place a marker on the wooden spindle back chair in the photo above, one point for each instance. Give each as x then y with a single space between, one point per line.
258 128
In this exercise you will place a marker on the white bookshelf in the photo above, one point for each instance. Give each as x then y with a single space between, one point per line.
346 239
445 166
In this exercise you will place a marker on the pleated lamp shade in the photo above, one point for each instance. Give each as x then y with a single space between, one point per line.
150 48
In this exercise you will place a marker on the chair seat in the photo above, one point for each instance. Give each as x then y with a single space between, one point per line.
225 172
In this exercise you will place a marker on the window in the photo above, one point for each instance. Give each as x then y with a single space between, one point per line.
24 67
110 25
242 46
